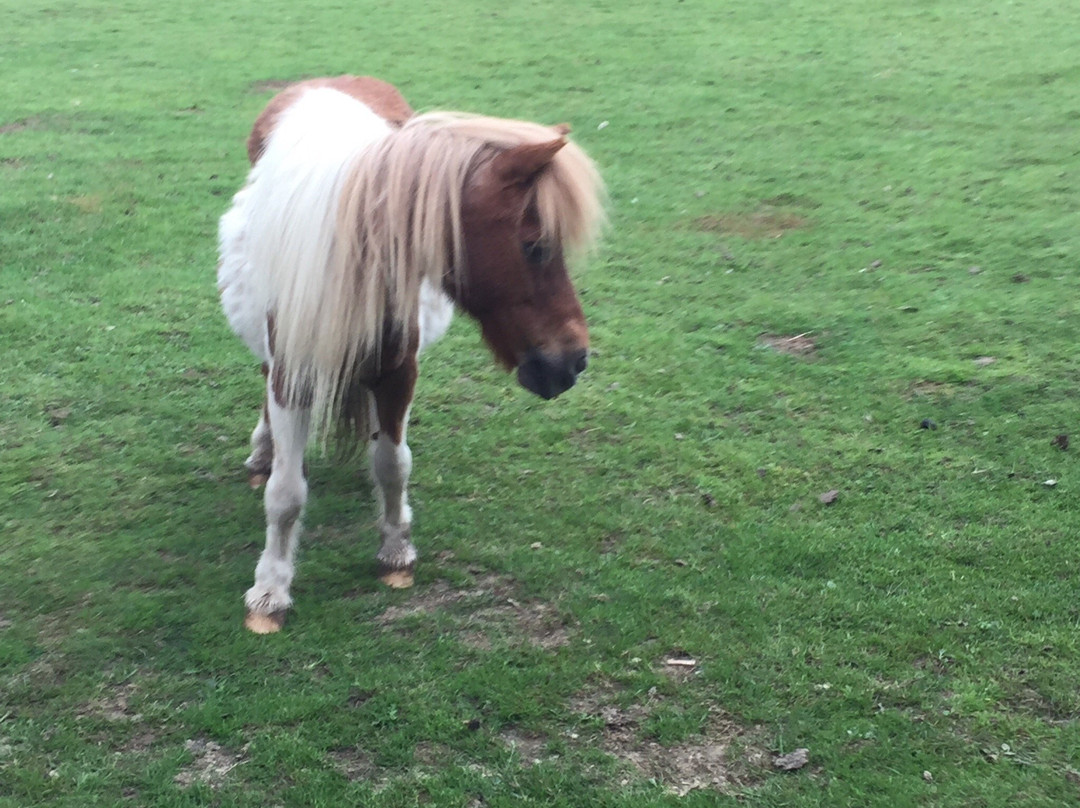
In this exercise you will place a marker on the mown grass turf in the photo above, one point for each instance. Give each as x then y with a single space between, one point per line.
896 185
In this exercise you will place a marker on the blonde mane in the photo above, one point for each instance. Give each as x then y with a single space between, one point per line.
398 223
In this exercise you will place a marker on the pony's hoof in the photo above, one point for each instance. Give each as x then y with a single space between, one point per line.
264 623
397 579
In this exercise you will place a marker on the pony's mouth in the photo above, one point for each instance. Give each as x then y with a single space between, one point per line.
548 376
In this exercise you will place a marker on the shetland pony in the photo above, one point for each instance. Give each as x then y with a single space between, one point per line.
359 228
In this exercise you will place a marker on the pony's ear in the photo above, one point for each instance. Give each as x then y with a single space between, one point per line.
562 128
518 165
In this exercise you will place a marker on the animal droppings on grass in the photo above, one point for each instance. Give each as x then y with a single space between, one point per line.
1020 277
210 766
792 761
800 345
761 224
927 423
1061 441
829 497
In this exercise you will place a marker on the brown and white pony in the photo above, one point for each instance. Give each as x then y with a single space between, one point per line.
360 226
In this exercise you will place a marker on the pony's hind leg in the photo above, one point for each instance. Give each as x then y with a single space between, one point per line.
284 498
259 462
391 463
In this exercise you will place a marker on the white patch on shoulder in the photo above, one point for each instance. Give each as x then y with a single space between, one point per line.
436 311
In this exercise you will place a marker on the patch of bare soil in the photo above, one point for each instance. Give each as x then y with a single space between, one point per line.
800 345
112 705
20 125
86 203
929 389
432 755
722 758
141 742
354 762
529 745
766 222
210 766
487 609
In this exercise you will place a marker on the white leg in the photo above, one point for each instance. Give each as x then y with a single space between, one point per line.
286 493
390 466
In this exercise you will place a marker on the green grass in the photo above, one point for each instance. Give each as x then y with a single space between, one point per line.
668 505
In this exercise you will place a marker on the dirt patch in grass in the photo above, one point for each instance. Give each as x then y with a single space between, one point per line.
764 223
530 746
141 742
433 755
538 624
485 611
353 762
21 125
927 389
113 705
86 203
427 600
800 345
1026 699
211 764
724 757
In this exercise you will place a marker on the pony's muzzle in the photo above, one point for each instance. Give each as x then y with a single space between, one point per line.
548 376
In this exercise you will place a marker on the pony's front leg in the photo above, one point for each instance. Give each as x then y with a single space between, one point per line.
391 463
286 493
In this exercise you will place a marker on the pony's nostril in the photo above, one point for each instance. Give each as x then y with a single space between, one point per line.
581 363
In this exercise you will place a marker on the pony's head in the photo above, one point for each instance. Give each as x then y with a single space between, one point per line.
524 208
489 208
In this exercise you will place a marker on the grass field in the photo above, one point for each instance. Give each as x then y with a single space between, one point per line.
830 223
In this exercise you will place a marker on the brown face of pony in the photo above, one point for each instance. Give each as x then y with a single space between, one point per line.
516 283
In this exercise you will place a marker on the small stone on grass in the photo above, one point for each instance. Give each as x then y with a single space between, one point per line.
793 761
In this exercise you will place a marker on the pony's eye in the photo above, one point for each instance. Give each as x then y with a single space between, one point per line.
536 252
